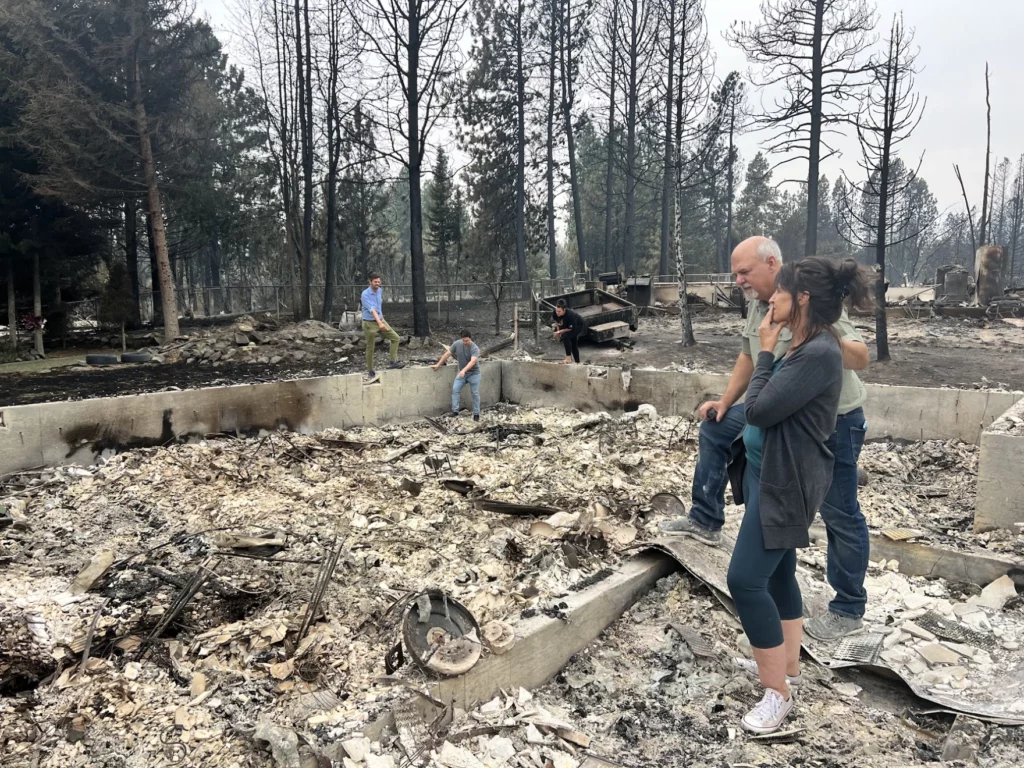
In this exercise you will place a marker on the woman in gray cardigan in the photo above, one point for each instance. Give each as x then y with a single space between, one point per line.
790 408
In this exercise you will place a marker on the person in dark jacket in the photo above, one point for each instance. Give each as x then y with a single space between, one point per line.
569 326
791 407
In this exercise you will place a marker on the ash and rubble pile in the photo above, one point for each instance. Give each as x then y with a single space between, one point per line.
267 341
260 666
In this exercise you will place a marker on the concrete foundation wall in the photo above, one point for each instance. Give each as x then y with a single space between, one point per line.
904 413
77 432
1000 502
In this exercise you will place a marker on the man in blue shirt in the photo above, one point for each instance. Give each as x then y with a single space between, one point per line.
373 323
467 353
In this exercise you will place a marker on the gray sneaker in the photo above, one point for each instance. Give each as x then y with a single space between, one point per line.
832 626
685 526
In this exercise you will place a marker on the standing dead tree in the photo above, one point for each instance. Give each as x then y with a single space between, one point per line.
687 55
988 161
573 36
891 111
1016 218
551 35
304 84
692 90
271 49
638 34
416 45
967 207
340 62
982 232
604 66
812 49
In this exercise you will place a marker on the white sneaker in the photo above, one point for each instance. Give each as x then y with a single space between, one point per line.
769 714
750 667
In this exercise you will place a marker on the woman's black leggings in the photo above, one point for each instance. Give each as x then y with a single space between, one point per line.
762 581
571 347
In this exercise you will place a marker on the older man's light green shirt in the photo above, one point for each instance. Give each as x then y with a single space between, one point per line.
853 395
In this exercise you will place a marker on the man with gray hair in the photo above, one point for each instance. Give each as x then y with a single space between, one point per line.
755 262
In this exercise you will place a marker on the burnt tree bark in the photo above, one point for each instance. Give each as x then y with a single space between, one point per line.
523 269
983 226
165 278
812 49
610 155
569 46
305 93
552 107
667 187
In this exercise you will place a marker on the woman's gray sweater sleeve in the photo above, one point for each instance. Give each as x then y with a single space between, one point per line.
805 375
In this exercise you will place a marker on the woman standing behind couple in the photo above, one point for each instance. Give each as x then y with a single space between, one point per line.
791 407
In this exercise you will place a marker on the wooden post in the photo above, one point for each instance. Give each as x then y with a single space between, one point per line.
515 323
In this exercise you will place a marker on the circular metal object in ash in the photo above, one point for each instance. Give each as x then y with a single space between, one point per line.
440 634
309 670
668 504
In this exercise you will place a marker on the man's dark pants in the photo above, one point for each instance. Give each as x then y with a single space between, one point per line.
847 531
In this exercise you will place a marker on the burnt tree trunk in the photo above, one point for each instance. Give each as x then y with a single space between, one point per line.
814 147
609 170
568 99
667 198
305 89
983 228
730 184
552 107
632 96
165 278
523 269
420 316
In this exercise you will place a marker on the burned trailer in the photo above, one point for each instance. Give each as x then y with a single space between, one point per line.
607 316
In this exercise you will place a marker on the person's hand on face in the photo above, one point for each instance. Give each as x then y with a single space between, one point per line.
770 330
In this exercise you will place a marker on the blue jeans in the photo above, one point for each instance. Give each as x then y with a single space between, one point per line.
762 582
845 526
711 476
473 379
847 531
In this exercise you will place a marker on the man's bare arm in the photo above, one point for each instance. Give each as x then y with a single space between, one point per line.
445 356
855 355
742 371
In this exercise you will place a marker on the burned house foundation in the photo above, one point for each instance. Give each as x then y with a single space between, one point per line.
223 575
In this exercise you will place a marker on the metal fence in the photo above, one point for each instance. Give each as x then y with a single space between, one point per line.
475 305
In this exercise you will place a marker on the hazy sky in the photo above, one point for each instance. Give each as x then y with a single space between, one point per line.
955 37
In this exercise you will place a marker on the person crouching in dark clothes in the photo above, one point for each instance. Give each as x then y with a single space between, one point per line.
791 407
569 326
